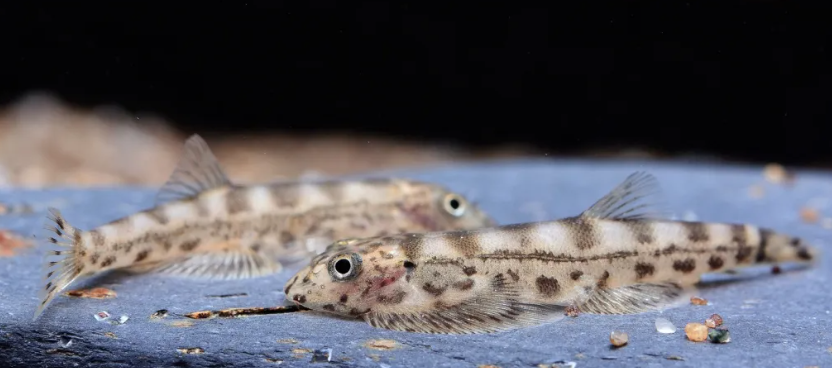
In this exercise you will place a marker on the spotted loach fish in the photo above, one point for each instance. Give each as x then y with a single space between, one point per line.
205 226
620 256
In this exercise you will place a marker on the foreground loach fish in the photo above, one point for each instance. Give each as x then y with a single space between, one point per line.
618 257
205 226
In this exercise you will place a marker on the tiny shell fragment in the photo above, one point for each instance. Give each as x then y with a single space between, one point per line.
381 344
696 331
159 314
572 311
713 321
191 350
110 335
95 293
287 341
618 338
698 301
102 316
200 315
719 336
663 325
809 215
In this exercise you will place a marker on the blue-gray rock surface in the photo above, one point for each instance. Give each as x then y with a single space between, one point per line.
779 320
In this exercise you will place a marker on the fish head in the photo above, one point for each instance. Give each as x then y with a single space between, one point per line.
454 211
352 276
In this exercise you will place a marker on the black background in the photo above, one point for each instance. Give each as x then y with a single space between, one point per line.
749 79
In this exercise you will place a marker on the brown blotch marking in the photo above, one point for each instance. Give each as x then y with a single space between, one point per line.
108 261
158 214
411 246
300 298
795 242
289 286
738 236
142 255
464 285
344 298
575 275
396 298
329 307
97 238
60 223
255 247
94 258
167 245
685 266
236 201
48 285
602 281
715 262
644 269
696 231
514 275
642 231
433 290
547 286
284 195
463 242
765 235
189 245
286 237
77 237
804 254
583 232
470 270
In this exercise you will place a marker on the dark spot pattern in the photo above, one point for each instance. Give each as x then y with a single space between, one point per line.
464 243
394 298
685 266
108 261
289 286
300 298
189 245
765 235
329 307
236 201
168 245
575 275
464 285
644 269
602 281
158 214
696 231
433 290
97 238
739 237
715 262
286 237
642 231
142 255
547 286
344 298
804 254
470 270
94 258
582 232
514 276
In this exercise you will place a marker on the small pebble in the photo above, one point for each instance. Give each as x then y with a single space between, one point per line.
663 325
322 356
713 321
696 331
719 336
809 215
776 270
102 316
698 301
618 338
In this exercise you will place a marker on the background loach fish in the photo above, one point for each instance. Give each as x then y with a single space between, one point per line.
205 226
617 257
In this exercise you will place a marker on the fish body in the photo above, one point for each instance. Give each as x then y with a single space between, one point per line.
617 257
203 225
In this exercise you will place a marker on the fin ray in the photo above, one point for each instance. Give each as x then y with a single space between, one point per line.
61 267
638 197
197 171
214 266
633 299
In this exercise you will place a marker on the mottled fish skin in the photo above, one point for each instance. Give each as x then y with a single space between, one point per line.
206 226
612 259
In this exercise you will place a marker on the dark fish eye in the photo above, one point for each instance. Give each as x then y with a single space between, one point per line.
454 205
344 267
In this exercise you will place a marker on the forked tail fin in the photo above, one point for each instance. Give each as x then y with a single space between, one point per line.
62 264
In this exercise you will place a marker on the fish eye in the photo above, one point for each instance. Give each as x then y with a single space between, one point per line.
454 204
345 267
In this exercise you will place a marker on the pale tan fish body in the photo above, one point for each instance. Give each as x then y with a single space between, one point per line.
615 258
205 226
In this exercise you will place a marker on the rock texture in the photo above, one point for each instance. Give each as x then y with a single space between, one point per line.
780 320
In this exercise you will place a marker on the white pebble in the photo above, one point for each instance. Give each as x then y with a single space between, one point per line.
663 325
102 316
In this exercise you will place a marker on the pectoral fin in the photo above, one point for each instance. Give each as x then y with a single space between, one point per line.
224 266
633 299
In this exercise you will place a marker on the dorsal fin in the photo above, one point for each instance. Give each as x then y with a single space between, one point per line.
638 197
198 170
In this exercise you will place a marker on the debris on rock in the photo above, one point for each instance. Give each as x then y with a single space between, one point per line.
488 366
94 293
300 352
191 350
200 315
16 209
719 336
713 321
382 344
696 331
572 311
663 325
287 341
776 270
121 320
110 335
320 356
102 316
65 342
777 174
674 357
619 339
240 312
226 295
274 360
698 301
11 243
809 215
159 314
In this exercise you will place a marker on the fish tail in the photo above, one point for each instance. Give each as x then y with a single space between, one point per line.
62 265
776 248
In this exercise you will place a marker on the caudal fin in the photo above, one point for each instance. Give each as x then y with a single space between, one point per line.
62 265
776 248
